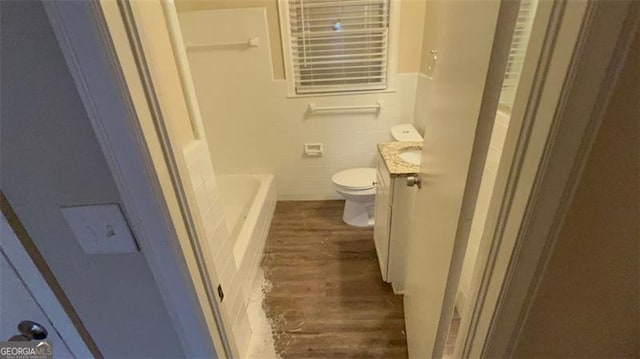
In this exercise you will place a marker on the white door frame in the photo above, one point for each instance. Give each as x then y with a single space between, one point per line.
140 162
566 94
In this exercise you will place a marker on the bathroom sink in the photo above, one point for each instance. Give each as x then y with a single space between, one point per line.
411 155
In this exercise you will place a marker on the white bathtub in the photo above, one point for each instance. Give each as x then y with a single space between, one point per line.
249 202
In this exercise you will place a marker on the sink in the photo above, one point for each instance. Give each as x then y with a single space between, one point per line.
411 155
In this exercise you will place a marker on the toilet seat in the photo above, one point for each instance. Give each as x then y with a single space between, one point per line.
357 192
355 179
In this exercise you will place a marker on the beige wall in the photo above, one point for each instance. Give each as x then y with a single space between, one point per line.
430 32
271 7
412 17
587 304
410 37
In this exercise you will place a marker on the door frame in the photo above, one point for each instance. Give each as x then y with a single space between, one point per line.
134 140
546 148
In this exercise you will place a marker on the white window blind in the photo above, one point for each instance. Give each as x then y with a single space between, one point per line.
518 50
339 45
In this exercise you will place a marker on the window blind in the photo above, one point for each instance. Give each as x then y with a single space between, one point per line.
339 45
518 50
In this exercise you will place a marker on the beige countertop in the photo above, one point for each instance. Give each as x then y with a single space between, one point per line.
390 151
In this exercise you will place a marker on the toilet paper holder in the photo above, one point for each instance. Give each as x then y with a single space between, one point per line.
313 149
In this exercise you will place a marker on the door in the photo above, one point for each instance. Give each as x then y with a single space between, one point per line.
462 33
25 297
17 305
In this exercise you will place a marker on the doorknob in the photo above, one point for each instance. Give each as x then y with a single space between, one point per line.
29 330
414 181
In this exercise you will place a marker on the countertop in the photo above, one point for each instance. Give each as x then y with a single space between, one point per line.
389 151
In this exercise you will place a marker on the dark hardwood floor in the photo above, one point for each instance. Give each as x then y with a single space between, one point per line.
327 298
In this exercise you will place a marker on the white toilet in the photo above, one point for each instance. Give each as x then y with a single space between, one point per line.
405 133
358 185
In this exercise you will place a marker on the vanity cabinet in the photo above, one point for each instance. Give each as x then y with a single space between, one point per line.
394 205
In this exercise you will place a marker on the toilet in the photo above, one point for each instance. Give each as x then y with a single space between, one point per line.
358 185
405 133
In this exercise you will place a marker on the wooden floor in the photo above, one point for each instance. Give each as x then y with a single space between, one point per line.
327 298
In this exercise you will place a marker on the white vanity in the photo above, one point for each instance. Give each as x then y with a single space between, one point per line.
393 208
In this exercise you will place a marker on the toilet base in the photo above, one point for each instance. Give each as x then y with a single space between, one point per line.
359 214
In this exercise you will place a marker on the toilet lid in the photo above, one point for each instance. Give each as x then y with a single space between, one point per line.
356 178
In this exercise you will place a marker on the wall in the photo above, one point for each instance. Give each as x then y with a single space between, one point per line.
429 34
18 302
271 8
252 126
50 157
587 303
412 20
410 37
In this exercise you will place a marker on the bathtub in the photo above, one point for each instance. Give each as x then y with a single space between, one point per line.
249 202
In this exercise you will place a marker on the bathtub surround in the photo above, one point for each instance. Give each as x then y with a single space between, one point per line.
262 343
252 126
211 212
248 202
235 243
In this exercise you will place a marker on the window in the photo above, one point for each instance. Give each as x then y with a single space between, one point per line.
518 50
337 45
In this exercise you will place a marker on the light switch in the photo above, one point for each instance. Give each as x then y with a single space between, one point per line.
100 228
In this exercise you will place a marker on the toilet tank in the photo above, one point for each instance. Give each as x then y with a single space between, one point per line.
405 133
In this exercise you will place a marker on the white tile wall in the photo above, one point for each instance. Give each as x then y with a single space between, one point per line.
218 243
253 127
